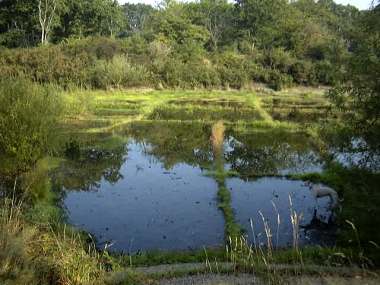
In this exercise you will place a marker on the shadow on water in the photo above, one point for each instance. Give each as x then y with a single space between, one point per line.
151 191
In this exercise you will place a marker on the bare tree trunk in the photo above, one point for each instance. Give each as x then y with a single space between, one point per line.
46 14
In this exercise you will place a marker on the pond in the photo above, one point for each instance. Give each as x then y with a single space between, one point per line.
150 186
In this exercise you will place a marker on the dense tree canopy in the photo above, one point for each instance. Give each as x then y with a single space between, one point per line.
205 43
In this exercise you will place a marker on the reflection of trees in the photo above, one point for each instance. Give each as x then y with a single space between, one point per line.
173 143
258 153
352 150
268 153
87 172
261 153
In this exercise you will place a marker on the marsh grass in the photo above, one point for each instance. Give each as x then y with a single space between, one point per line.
284 266
15 264
261 258
103 111
37 248
41 254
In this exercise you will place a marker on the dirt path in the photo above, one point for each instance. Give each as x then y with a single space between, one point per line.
212 279
222 274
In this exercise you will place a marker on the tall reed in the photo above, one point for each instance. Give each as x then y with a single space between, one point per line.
258 257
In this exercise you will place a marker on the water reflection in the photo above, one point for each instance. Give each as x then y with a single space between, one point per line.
152 192
271 196
151 207
271 153
93 166
249 153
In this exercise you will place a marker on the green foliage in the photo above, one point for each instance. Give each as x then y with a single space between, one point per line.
279 81
136 16
40 254
233 70
118 72
359 95
306 40
18 23
216 17
28 113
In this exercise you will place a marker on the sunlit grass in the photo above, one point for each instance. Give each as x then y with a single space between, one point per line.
102 111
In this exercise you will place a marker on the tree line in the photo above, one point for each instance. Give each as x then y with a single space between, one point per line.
277 42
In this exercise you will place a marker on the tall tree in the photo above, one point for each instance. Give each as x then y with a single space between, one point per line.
18 23
137 15
48 12
83 18
215 15
261 19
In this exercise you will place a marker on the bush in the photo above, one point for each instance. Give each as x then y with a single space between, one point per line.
303 72
233 70
136 61
325 72
119 72
94 47
279 80
279 59
28 114
193 74
48 64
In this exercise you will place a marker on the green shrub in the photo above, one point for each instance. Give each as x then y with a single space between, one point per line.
95 47
98 62
28 113
303 72
233 69
48 64
193 74
278 81
279 59
325 72
118 72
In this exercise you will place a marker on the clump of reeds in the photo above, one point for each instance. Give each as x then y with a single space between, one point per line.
43 253
260 257
15 262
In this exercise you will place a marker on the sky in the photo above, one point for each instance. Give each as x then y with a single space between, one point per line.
361 4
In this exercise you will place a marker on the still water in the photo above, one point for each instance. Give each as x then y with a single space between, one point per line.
153 189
